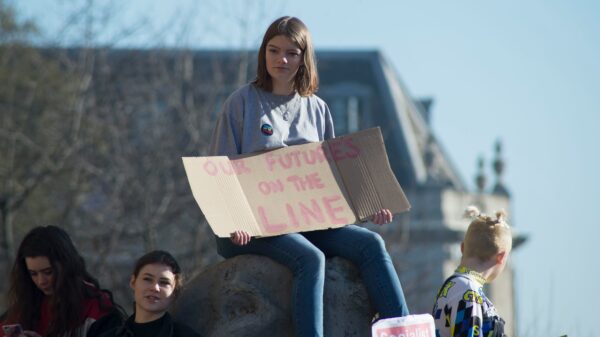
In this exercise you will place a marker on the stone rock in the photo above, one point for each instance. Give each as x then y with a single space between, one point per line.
250 296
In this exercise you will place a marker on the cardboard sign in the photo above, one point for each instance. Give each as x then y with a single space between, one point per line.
297 188
408 326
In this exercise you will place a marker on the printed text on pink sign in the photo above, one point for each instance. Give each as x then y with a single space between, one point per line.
316 211
340 149
298 183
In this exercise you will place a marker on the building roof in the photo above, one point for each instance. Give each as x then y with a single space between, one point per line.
415 154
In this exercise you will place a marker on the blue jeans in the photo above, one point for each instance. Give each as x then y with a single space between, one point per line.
304 254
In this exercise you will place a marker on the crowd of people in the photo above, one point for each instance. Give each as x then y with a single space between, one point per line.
52 294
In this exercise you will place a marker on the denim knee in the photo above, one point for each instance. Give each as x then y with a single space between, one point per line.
311 261
374 247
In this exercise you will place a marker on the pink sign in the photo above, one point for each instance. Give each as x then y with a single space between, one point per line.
409 326
297 188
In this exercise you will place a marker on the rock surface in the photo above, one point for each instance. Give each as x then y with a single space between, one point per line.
250 295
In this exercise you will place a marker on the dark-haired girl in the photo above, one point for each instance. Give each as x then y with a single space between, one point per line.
51 292
156 282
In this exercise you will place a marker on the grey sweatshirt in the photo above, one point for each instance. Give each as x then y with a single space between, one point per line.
252 120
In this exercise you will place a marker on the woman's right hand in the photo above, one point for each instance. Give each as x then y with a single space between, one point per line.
240 238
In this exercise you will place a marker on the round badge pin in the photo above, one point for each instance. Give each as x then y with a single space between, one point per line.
266 129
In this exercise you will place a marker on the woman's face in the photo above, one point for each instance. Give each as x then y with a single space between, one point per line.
153 289
42 273
283 58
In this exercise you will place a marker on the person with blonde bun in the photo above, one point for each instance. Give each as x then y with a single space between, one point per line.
461 308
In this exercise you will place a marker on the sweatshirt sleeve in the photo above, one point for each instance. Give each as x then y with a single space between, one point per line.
329 129
227 134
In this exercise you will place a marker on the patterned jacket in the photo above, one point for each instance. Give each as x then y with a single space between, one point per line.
462 310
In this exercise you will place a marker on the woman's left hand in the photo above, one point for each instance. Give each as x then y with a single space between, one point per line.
383 216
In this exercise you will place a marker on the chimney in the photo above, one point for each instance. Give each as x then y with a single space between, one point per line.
424 107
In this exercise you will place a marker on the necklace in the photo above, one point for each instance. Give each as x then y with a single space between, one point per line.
286 106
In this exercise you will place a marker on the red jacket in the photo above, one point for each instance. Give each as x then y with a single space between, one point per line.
92 311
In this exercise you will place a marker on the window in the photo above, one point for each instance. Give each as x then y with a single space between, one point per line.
346 114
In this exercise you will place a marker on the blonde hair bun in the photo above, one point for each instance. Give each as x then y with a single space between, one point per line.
471 212
501 215
486 235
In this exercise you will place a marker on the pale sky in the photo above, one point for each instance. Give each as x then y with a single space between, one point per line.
525 72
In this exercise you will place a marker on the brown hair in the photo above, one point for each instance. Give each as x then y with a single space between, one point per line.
307 79
164 258
486 236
